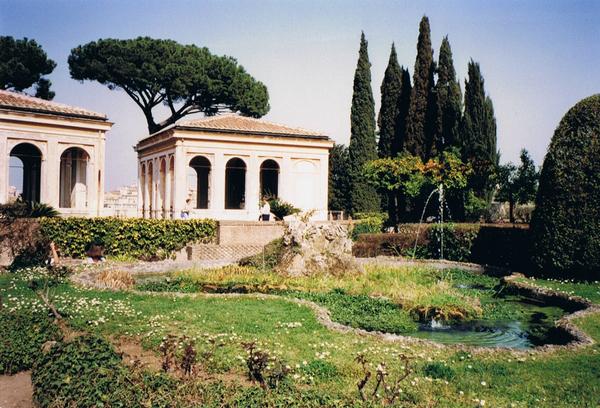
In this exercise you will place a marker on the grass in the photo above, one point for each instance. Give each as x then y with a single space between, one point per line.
588 290
322 361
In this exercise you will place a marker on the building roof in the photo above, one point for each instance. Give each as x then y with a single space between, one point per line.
25 103
242 124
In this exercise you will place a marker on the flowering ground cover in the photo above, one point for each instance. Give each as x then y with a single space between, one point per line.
320 365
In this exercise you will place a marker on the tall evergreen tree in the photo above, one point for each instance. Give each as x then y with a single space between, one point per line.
339 184
391 88
420 125
403 107
363 144
478 133
449 102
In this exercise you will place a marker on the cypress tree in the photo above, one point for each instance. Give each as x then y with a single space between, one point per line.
339 188
420 125
391 88
449 102
363 144
478 133
403 106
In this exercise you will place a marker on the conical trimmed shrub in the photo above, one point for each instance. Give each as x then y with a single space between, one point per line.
566 223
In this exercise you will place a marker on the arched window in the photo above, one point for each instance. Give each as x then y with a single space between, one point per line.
199 182
235 184
269 179
162 187
73 178
150 189
25 171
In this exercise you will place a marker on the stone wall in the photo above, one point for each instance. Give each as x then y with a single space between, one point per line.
248 232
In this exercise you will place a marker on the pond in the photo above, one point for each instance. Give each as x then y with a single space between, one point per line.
535 327
530 322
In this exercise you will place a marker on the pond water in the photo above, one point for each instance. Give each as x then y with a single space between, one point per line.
535 327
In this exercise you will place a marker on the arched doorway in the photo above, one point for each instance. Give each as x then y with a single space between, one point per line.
73 178
150 189
269 179
162 190
25 171
235 184
199 182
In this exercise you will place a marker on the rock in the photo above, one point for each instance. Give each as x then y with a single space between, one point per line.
316 248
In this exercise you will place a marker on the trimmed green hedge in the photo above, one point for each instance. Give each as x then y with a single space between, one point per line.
139 238
566 222
498 245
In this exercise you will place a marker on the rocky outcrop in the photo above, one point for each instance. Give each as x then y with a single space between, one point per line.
316 248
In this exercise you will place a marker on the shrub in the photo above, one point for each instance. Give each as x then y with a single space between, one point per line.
282 208
23 335
368 223
26 209
126 237
85 372
566 222
268 259
498 245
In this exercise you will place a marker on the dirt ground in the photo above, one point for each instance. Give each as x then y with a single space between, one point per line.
16 391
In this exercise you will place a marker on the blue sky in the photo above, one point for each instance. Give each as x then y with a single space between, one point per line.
538 57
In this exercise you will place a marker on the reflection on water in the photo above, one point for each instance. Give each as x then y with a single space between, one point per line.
536 327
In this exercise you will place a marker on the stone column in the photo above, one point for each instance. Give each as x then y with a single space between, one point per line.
140 190
147 190
92 186
285 179
167 197
253 187
155 192
50 174
180 186
4 170
217 183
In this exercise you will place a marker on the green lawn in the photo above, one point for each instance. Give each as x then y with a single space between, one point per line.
323 361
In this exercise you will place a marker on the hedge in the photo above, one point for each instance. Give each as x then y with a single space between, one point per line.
566 222
135 237
498 245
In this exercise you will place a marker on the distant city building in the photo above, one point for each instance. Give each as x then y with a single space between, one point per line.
13 194
122 202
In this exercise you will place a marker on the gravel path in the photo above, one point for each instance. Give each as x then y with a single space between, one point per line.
16 390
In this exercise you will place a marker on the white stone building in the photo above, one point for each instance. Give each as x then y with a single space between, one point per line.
52 153
220 167
122 202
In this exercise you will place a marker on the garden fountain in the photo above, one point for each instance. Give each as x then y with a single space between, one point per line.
441 200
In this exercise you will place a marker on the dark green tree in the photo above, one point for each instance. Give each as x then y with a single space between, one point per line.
339 179
403 107
518 185
391 88
363 144
23 63
449 101
186 78
478 134
420 126
565 226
